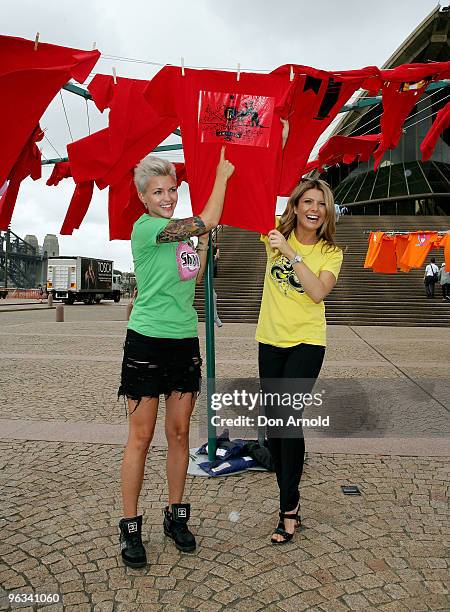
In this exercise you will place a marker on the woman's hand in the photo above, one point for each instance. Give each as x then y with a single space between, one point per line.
278 241
225 168
285 132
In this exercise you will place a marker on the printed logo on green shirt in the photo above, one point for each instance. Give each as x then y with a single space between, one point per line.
188 262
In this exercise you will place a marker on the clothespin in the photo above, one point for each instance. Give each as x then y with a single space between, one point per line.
36 41
291 76
94 45
182 66
114 75
238 75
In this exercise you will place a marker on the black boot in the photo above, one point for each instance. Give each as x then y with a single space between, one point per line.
175 526
132 549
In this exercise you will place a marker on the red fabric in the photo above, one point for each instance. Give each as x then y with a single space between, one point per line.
134 131
345 149
419 245
214 108
60 171
441 123
79 202
27 164
401 90
78 207
316 99
29 81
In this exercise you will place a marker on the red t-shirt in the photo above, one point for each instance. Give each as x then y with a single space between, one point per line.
401 90
441 123
27 164
134 131
214 108
316 99
345 149
60 171
29 81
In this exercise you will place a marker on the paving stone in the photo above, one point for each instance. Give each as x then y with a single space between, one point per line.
74 598
355 601
385 550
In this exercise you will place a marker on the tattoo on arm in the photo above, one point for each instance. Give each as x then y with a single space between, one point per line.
182 229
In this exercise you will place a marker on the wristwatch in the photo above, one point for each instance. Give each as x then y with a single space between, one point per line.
297 259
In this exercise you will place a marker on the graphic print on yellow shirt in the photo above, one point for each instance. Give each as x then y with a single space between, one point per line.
288 316
282 272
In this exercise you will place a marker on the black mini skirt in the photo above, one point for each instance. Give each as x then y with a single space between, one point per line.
155 366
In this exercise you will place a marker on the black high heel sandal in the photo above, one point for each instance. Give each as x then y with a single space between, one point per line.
280 530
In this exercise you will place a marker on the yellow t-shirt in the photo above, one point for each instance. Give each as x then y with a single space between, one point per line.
288 316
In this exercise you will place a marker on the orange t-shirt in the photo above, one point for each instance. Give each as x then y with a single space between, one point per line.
419 245
386 261
401 242
445 243
373 250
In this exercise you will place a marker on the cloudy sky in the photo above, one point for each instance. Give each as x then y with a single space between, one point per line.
207 33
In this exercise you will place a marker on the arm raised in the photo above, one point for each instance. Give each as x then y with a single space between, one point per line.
208 219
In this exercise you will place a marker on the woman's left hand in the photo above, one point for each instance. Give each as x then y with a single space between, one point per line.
278 241
284 132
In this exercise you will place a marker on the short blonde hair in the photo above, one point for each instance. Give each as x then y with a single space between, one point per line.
152 166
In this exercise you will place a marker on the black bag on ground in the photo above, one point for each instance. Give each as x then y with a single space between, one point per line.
260 454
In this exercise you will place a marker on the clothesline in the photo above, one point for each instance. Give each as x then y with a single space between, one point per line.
404 232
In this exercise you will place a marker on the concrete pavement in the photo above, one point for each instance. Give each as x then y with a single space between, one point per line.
61 438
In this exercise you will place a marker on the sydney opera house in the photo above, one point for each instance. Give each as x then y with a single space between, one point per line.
403 184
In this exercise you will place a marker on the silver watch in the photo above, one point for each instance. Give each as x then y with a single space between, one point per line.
297 259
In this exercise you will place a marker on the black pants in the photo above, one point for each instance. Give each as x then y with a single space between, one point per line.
304 362
429 286
445 290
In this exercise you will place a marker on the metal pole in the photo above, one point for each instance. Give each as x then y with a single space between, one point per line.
7 247
210 349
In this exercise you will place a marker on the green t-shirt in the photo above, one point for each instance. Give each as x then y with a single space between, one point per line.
165 277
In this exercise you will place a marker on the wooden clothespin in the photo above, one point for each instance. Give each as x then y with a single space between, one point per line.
238 75
114 75
182 66
291 76
36 41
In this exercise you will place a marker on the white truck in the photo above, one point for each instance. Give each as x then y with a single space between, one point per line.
82 279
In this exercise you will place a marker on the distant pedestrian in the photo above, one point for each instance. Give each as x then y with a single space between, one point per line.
444 279
430 277
216 256
217 320
41 293
337 211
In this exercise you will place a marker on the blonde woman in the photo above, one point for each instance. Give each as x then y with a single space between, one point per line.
303 264
161 351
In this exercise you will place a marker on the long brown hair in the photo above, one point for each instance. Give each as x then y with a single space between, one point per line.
288 219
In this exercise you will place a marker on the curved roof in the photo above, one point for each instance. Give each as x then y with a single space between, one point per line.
429 41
